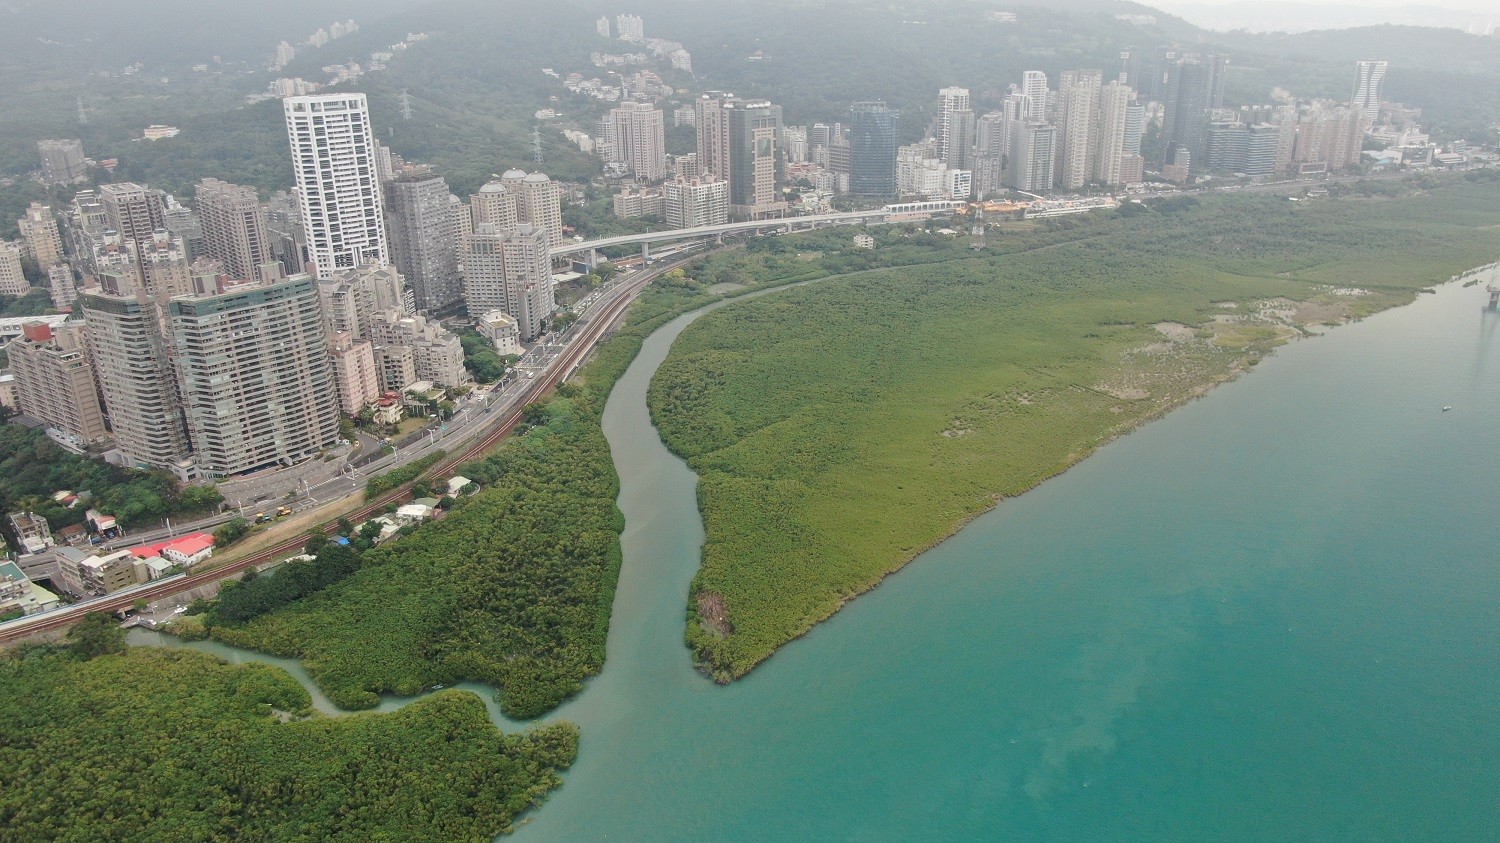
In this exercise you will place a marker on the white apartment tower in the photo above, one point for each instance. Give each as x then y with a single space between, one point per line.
1034 86
696 202
1077 121
40 234
510 270
630 27
955 127
333 156
1367 77
1114 122
640 139
12 277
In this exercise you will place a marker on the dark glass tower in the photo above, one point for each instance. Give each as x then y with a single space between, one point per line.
872 150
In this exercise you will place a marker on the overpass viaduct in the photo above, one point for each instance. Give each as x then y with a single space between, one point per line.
888 213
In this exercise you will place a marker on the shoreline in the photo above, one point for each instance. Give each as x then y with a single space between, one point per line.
1301 331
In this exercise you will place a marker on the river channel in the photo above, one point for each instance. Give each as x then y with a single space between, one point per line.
1273 614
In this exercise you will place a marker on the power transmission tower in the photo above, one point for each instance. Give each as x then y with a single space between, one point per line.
537 155
83 115
405 105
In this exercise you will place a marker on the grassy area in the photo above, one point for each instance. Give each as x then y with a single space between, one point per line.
842 428
151 744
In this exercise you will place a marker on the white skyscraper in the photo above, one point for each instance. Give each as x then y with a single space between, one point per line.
955 128
333 155
1367 76
1034 86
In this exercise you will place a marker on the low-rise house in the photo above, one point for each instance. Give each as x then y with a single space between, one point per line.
413 513
185 551
108 574
32 532
456 483
19 594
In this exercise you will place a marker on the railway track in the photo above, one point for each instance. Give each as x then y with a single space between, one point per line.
591 330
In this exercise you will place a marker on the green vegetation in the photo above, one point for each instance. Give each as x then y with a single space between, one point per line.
241 600
512 587
840 429
149 744
32 467
382 483
36 302
480 357
230 532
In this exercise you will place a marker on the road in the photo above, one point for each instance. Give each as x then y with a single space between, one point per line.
555 361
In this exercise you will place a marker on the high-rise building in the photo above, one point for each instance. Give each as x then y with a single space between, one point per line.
1078 93
254 372
133 210
794 143
39 233
955 127
55 380
1034 87
351 299
1218 73
333 157
1031 156
354 373
873 139
184 224
1261 144
1114 122
424 239
495 204
234 227
62 160
1367 79
711 123
510 269
630 27
1185 118
12 276
754 143
435 354
640 139
284 231
130 353
538 202
601 26
165 270
61 285
695 202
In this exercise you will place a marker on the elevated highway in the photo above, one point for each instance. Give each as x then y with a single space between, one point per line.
888 213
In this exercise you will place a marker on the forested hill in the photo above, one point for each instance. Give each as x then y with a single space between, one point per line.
476 83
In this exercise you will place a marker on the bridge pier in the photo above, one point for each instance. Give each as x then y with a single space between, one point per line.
1494 291
645 251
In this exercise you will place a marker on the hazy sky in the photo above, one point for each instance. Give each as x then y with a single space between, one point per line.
1262 15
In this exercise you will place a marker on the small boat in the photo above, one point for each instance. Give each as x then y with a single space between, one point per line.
1447 407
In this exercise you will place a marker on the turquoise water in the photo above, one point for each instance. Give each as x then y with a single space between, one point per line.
1274 614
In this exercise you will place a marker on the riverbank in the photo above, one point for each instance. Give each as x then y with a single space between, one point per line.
840 430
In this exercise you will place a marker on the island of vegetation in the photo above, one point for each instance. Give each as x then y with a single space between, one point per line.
101 742
840 429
